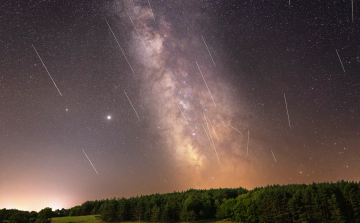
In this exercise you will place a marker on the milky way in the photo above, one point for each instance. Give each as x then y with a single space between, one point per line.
168 73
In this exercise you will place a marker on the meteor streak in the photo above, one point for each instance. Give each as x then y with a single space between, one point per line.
182 113
136 29
209 130
206 133
340 60
287 111
47 70
120 47
212 139
132 105
214 130
90 162
235 129
352 10
208 50
247 147
273 155
206 84
151 10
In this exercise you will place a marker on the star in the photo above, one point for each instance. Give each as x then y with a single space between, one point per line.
108 117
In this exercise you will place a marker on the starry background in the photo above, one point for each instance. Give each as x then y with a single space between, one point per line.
261 50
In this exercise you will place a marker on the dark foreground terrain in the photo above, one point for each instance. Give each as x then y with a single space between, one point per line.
317 202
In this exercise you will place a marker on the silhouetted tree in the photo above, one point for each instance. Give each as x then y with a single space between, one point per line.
44 215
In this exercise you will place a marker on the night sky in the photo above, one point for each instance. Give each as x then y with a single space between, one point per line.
204 106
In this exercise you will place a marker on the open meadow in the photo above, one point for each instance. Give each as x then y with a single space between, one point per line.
77 219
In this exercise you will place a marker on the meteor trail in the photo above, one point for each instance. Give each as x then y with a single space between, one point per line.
247 147
352 10
206 84
182 113
132 105
214 130
235 129
209 130
90 162
287 111
273 155
136 29
206 133
120 47
212 139
340 60
47 70
208 50
151 10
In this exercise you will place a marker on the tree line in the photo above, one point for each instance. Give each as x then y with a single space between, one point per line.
190 205
316 202
17 216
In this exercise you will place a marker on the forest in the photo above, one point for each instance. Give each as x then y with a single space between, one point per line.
316 202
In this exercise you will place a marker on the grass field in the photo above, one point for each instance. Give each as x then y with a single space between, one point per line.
93 219
77 219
